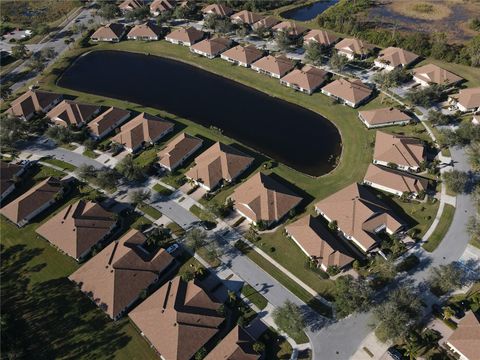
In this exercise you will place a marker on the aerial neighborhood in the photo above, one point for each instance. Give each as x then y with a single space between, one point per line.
240 180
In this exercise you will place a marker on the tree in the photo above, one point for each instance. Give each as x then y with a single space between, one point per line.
437 118
108 11
259 347
6 90
19 51
473 152
140 13
85 172
200 354
333 225
384 268
455 180
61 134
129 169
284 40
337 62
351 295
48 53
158 237
395 316
446 278
314 52
196 238
188 10
428 96
289 318
473 228
448 312
106 178
139 196
11 131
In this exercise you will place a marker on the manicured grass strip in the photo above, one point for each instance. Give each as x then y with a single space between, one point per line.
202 214
254 296
176 229
90 153
61 164
441 229
162 190
150 210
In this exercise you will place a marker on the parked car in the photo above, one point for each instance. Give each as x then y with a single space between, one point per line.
172 248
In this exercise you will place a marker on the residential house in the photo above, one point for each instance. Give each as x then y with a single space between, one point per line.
392 58
307 80
178 319
394 182
32 102
353 48
316 241
266 23
159 6
178 150
217 9
242 55
464 339
147 31
72 113
107 121
31 203
274 66
320 37
109 33
433 74
9 173
291 28
466 100
130 5
115 277
78 227
351 92
218 163
185 36
359 215
143 129
262 198
383 117
246 17
211 48
237 345
404 152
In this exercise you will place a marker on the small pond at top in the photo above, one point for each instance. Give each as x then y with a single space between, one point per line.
286 132
308 12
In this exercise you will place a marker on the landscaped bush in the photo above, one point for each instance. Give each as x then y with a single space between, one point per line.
408 263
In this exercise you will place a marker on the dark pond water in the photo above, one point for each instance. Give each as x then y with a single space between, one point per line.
287 133
308 12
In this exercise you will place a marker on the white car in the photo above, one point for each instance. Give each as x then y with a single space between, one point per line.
172 248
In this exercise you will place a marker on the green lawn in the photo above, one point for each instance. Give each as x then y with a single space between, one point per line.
441 229
254 296
176 229
90 153
150 210
202 214
46 315
61 164
162 190
146 157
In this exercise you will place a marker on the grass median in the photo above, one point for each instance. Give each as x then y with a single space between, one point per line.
442 228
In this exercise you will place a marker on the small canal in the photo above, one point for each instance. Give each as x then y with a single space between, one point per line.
288 133
308 12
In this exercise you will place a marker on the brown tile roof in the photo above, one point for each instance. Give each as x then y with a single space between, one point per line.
162 5
266 23
246 17
318 242
279 65
72 113
109 31
354 46
244 54
219 162
190 35
78 227
384 116
358 213
237 345
321 36
469 98
218 9
397 149
8 171
394 56
177 149
292 27
431 73
107 119
212 46
142 128
30 201
466 337
117 274
353 91
178 319
395 180
309 77
263 198
147 29
32 101
131 5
